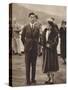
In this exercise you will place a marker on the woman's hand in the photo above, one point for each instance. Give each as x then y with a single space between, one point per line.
47 45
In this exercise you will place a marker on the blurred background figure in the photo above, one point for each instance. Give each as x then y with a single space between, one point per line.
16 47
39 26
53 20
10 36
63 40
40 41
21 44
58 46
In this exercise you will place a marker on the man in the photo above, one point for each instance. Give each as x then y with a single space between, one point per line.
63 40
30 36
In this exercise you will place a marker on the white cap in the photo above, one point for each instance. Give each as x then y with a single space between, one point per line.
49 20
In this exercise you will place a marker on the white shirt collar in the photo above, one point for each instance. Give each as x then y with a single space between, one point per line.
47 34
31 25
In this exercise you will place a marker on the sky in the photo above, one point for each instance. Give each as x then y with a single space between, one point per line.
50 9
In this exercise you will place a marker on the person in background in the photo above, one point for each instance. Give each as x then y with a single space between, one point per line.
21 44
16 37
38 25
30 39
50 59
63 40
10 37
40 41
58 46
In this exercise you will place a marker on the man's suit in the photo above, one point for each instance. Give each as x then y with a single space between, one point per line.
30 37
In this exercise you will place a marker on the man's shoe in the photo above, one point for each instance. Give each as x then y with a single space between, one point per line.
29 83
20 54
33 81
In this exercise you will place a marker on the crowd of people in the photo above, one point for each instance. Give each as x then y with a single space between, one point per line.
34 41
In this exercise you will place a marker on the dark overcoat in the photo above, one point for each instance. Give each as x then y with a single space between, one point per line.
63 42
50 58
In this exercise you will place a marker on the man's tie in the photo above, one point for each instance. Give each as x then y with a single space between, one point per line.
32 27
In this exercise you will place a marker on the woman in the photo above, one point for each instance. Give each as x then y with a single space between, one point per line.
50 58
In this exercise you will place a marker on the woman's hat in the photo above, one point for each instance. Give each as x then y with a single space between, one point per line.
49 20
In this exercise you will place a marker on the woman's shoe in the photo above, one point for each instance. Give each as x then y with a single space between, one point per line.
47 82
51 82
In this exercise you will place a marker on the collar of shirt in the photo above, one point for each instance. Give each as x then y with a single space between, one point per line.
47 34
31 25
